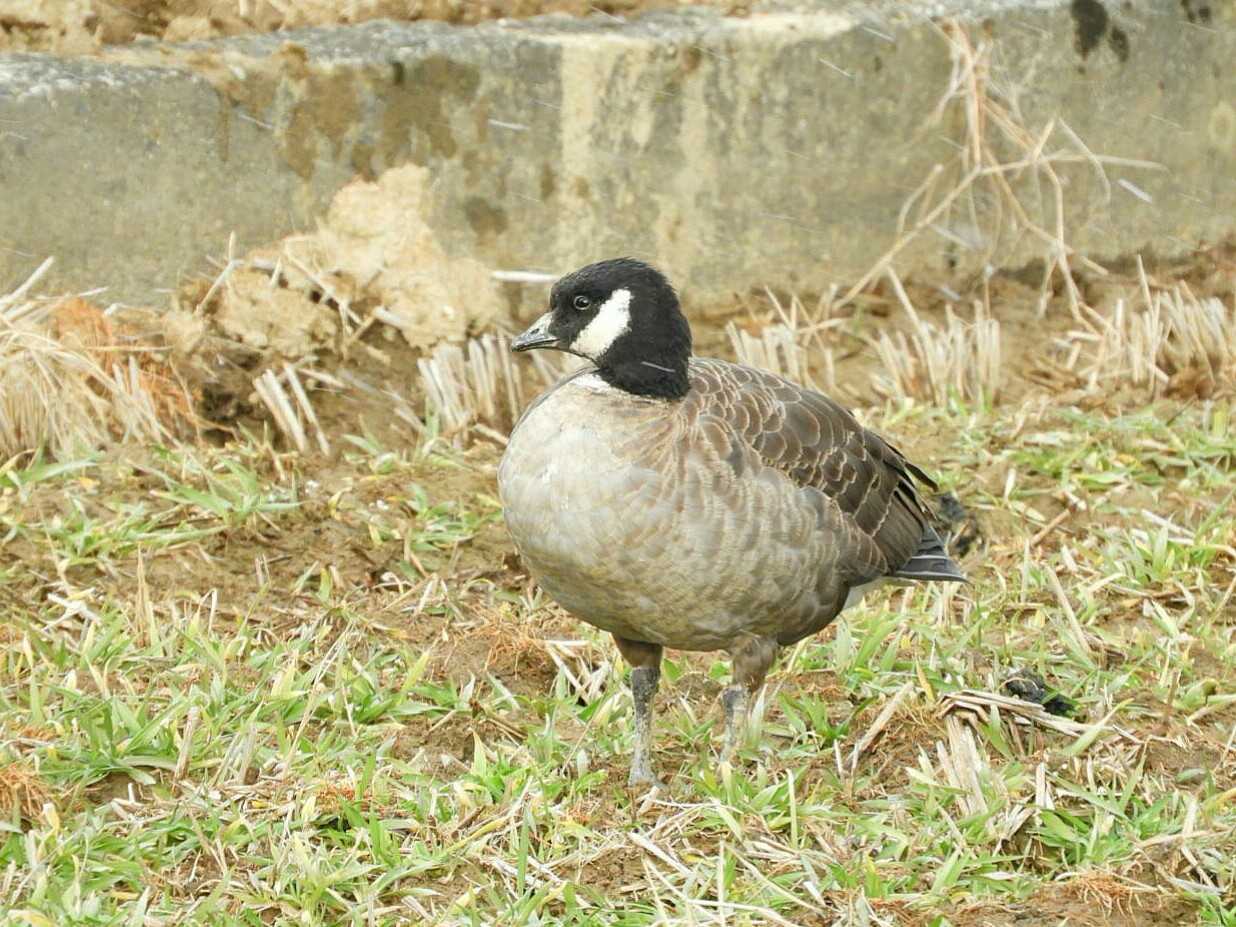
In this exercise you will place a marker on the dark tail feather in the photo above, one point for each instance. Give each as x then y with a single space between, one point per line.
931 562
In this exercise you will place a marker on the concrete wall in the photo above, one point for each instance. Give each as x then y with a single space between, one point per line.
775 149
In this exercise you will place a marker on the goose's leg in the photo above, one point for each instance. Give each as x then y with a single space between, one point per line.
752 658
645 660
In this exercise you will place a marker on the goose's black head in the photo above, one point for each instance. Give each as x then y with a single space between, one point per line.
624 316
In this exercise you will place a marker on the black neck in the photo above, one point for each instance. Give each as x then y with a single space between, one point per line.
663 378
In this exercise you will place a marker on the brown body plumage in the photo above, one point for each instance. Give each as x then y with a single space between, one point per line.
751 507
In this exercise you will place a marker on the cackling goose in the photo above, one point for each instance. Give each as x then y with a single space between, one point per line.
695 504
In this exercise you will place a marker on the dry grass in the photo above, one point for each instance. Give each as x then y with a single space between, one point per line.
287 400
1001 196
1172 341
776 349
938 363
278 673
481 384
1111 892
50 397
794 341
1005 185
23 793
1006 178
70 382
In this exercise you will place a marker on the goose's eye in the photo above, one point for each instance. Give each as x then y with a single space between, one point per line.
581 302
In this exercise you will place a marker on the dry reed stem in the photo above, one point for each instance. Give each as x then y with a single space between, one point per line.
775 349
478 384
877 726
1172 338
14 307
796 346
979 707
962 359
997 149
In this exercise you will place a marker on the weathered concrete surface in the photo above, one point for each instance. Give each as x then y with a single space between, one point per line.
775 149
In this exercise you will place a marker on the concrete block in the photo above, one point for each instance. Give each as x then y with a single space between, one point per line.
774 149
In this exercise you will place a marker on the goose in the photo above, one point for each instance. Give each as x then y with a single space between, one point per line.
695 504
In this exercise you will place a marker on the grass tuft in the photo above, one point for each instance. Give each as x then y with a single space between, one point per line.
1175 342
482 384
69 383
938 363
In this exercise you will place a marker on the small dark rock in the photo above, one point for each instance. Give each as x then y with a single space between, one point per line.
1029 685
957 525
1057 704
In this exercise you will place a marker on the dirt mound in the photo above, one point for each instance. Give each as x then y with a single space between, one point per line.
367 293
373 259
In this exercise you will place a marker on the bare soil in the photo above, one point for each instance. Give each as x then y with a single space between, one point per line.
75 27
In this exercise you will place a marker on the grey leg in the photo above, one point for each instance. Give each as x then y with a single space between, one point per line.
645 660
735 700
644 681
752 659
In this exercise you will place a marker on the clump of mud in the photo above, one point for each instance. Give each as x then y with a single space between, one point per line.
373 259
354 303
317 327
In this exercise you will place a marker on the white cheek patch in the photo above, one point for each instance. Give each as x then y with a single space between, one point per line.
612 321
